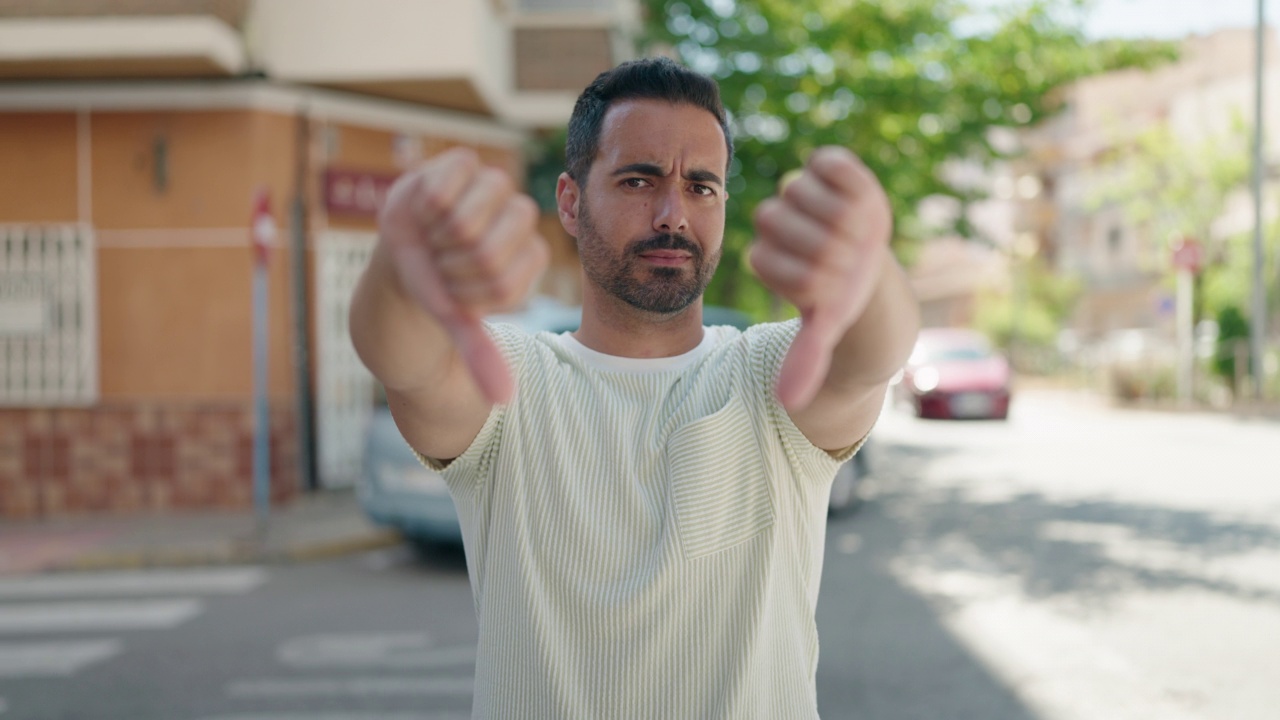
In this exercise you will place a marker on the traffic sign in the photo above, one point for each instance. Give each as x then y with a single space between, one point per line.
1188 255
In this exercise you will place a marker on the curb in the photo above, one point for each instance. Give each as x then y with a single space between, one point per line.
239 553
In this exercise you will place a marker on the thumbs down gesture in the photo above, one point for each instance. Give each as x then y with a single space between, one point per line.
821 245
465 245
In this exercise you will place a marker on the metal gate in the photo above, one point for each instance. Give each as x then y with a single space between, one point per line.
345 389
48 316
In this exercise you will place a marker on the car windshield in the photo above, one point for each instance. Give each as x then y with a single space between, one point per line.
957 354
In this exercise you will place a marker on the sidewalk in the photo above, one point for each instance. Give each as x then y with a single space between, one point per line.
315 525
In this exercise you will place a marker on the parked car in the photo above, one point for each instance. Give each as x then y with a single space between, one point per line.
955 374
399 492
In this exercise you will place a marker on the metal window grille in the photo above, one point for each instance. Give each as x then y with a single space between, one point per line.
345 388
48 316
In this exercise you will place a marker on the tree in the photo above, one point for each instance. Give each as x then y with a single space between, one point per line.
906 84
1034 312
1171 188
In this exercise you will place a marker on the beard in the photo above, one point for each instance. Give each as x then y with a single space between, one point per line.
627 277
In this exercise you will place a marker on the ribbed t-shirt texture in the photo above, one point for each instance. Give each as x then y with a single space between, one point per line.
644 539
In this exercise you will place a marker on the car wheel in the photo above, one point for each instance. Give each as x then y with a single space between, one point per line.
844 489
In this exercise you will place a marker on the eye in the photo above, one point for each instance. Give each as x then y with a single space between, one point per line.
704 190
635 182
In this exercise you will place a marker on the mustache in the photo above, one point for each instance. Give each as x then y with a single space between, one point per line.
667 241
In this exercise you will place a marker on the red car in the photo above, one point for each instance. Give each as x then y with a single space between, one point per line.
954 373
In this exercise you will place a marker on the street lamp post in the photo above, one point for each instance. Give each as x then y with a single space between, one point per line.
1258 325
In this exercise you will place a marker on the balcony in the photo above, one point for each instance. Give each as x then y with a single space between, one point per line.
41 39
521 61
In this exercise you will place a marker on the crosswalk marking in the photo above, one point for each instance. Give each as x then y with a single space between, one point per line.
160 582
351 686
92 616
365 650
345 716
53 659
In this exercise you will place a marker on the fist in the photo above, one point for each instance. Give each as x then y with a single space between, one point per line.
465 245
820 245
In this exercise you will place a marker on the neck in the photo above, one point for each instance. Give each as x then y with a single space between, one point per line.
613 327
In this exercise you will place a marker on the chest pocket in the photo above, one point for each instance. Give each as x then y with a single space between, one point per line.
719 487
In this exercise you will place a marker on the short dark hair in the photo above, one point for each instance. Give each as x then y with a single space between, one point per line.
652 78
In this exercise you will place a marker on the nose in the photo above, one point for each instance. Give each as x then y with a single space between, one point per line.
669 212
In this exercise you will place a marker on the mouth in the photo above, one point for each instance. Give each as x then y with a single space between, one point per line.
666 258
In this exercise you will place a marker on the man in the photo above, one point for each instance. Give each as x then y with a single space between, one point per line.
643 509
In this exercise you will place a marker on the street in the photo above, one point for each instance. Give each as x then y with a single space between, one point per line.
1076 562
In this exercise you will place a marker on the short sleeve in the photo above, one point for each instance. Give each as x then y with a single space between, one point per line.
767 346
476 462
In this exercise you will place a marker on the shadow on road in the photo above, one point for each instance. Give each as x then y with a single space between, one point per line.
885 653
906 664
1087 551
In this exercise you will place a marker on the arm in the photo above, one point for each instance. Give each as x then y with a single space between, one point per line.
823 245
456 243
871 351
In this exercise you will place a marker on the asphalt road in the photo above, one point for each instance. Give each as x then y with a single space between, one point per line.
1075 562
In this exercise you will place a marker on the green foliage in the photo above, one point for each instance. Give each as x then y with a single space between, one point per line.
1171 188
1032 313
1233 328
906 84
1228 280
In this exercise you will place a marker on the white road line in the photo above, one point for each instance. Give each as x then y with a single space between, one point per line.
53 659
89 616
158 582
351 686
367 650
346 716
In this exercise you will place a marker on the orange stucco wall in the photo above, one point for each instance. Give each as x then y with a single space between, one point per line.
175 306
38 168
174 261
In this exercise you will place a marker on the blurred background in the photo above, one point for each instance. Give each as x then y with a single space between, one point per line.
204 512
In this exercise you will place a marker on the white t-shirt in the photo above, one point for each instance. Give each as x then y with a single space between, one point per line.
644 536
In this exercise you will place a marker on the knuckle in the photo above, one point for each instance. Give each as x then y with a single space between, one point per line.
766 214
487 260
793 191
496 180
847 216
434 201
524 208
461 230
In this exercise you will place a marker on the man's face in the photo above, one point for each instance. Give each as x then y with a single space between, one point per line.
650 220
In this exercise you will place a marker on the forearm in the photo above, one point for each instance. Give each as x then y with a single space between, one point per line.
877 345
402 345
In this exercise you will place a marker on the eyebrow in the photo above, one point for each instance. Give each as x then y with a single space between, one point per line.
652 170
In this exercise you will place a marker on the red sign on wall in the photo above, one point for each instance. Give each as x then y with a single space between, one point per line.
354 192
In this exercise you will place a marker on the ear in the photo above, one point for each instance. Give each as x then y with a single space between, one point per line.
567 196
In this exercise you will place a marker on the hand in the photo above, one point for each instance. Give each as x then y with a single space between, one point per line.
465 245
820 245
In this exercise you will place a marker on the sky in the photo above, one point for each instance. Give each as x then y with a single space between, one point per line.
1173 18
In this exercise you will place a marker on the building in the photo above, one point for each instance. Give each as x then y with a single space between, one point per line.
1124 266
134 138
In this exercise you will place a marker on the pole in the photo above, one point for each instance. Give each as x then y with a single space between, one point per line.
301 314
261 422
1185 329
263 233
1258 319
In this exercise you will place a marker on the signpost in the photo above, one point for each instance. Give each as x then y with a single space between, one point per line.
1188 258
262 233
